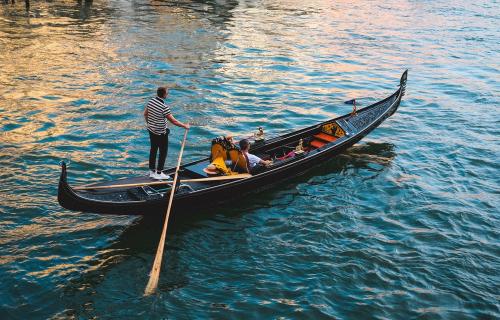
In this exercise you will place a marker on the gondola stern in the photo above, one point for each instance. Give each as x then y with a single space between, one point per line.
64 173
65 194
70 199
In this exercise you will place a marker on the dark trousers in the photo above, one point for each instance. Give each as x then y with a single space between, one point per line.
258 168
158 141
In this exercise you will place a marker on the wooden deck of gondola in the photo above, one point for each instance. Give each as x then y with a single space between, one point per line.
164 182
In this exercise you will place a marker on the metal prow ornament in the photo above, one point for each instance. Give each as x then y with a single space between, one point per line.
299 148
259 135
354 109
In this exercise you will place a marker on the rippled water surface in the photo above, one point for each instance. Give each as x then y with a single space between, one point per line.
403 225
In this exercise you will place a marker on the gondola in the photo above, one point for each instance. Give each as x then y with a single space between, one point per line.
197 190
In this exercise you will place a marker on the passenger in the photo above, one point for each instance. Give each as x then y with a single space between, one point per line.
255 163
229 138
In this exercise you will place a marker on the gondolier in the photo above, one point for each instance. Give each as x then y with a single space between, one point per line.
156 114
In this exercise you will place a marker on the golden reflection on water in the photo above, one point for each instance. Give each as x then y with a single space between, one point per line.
50 62
41 68
72 266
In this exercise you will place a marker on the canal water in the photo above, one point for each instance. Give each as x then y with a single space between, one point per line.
403 225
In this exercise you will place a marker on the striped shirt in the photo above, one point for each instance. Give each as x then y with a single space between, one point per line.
157 111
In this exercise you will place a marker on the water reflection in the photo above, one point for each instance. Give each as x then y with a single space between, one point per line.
132 251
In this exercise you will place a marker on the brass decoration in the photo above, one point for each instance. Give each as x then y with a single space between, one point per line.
300 147
259 135
333 129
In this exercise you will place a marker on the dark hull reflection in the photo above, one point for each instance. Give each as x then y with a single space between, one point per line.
142 236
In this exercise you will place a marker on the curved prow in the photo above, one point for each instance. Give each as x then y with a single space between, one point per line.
402 82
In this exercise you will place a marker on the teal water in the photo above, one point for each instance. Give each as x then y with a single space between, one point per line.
404 225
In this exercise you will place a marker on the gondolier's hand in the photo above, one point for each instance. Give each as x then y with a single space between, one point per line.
186 126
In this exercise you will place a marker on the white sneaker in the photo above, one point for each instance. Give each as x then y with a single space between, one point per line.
152 173
161 176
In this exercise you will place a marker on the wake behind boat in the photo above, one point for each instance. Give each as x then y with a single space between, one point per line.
292 154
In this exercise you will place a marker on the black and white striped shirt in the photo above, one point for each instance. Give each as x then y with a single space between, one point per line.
157 111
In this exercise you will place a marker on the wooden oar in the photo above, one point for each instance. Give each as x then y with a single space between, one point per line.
155 271
154 183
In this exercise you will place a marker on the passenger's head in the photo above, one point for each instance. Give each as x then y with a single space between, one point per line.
244 144
162 92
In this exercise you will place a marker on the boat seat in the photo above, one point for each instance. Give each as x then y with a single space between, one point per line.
239 161
321 139
317 143
325 137
196 170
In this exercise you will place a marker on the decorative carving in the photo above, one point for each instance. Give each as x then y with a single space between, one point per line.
299 148
364 118
333 129
259 135
402 83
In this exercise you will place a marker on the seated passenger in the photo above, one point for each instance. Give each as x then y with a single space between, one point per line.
255 163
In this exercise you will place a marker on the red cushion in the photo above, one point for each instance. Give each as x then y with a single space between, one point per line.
317 143
325 137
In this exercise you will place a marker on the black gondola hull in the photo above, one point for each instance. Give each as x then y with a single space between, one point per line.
372 117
